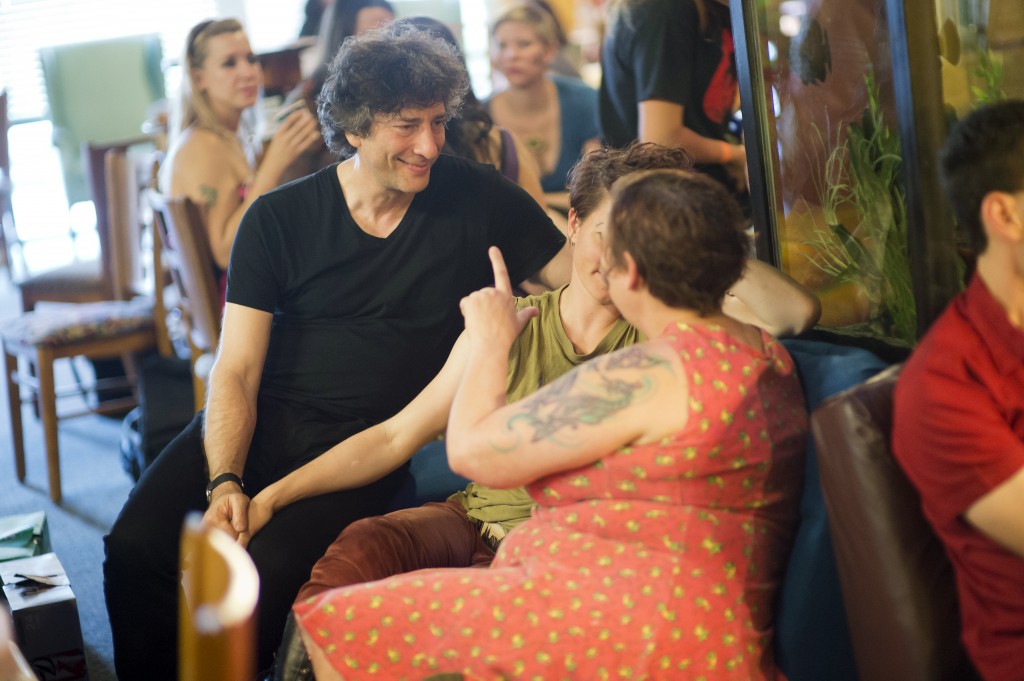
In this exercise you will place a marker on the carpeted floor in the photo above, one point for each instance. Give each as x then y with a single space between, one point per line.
95 487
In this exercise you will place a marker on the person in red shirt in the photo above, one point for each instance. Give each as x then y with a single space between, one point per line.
958 426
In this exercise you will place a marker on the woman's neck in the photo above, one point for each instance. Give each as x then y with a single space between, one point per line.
230 118
586 321
653 316
531 98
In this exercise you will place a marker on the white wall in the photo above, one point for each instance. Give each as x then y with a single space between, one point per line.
270 23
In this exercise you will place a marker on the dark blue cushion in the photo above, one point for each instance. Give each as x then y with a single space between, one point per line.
812 639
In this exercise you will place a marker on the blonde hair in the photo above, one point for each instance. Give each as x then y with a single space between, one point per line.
533 16
193 105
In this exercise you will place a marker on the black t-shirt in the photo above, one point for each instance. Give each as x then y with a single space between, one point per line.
361 324
654 49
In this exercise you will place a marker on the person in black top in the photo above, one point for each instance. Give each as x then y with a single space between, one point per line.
669 77
313 14
342 303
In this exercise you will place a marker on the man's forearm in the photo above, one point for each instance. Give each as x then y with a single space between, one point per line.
229 424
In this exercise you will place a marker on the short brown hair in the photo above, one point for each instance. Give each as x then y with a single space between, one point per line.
683 230
597 171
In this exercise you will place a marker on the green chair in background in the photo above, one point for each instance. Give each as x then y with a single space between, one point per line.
99 92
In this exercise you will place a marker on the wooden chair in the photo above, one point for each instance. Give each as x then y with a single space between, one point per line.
217 606
128 183
92 330
185 249
119 327
84 281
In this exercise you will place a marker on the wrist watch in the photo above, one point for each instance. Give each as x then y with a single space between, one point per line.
220 479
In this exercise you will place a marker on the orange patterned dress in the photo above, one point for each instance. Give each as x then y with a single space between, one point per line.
659 561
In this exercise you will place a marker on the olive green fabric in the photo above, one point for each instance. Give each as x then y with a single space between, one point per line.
542 353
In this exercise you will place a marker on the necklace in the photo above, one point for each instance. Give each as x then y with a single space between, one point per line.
538 147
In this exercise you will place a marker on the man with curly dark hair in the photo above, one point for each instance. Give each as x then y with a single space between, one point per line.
342 303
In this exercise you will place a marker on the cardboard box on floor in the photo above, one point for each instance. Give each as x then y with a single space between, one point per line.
45 616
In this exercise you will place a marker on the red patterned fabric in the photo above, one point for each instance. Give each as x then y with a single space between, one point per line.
658 561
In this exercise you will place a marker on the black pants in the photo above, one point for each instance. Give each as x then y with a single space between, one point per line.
141 571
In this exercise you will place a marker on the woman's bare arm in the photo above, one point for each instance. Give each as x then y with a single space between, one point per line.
627 396
371 454
210 169
766 297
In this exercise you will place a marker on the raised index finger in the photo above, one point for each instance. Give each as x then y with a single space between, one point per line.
501 280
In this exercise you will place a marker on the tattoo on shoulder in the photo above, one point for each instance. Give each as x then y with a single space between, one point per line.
209 196
567 404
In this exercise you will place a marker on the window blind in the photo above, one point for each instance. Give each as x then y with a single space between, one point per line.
27 25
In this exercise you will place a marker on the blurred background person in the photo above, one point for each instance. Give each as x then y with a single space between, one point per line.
313 15
342 19
216 157
555 116
669 76
566 62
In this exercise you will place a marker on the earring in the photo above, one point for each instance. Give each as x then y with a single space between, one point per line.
572 242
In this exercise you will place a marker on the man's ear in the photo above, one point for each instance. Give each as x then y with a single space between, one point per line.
354 140
574 226
1002 215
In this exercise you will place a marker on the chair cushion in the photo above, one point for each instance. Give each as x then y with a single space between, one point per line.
56 324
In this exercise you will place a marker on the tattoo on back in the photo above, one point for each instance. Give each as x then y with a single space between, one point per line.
565 406
209 196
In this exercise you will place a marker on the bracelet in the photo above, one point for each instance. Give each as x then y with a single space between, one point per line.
219 480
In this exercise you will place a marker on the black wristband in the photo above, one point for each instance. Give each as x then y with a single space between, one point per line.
222 478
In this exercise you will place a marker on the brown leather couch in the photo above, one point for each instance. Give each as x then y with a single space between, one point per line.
898 586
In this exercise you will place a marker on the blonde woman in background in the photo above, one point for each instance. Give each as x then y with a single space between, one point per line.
216 157
554 116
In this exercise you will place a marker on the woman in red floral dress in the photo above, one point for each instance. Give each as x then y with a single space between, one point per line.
666 476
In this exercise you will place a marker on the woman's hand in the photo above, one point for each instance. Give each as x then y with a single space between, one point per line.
736 166
492 319
296 135
260 513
